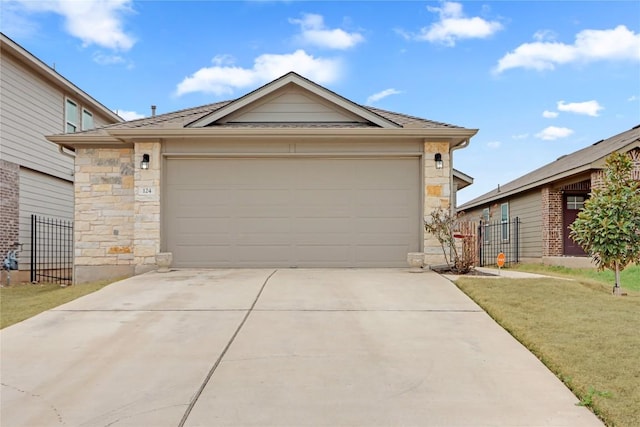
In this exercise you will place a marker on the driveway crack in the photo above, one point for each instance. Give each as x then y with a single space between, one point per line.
195 398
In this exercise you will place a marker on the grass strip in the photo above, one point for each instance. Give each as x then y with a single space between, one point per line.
587 337
629 277
19 302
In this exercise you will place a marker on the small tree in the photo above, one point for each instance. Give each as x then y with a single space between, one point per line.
608 228
442 224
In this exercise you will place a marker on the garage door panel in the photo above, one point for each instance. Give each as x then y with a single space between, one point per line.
283 212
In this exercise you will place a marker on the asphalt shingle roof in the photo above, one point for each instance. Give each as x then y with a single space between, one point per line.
182 118
574 161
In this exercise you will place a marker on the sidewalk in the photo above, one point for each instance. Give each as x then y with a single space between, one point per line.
492 273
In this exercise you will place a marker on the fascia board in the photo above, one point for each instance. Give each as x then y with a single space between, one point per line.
454 136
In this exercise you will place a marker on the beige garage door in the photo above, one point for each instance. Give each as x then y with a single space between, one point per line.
292 212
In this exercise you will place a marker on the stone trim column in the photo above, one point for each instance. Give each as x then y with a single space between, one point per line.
146 210
437 194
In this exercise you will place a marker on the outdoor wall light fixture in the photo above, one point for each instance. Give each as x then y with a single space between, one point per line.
438 159
144 164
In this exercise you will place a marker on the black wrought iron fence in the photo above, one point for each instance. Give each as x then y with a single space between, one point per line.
499 237
51 250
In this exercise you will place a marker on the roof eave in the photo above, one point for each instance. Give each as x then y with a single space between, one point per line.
530 186
455 136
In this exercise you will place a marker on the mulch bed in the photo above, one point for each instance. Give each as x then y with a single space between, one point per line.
448 270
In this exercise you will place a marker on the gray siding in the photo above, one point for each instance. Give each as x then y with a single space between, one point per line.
528 207
30 109
293 107
42 195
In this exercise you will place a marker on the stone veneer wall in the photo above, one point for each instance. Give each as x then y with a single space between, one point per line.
146 236
437 193
9 206
552 221
104 221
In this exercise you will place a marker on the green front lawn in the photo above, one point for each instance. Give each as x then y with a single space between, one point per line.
587 337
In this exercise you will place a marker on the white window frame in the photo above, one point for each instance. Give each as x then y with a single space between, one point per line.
70 121
504 221
575 202
486 215
87 113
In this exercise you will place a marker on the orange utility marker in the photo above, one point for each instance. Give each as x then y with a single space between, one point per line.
500 259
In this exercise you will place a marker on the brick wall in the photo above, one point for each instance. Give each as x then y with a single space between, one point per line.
552 220
437 193
9 206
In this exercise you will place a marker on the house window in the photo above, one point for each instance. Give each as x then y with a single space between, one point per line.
504 220
485 219
575 202
87 120
71 116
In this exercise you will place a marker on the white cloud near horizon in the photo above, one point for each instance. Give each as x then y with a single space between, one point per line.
553 132
619 43
494 145
224 77
589 108
382 94
550 114
453 26
95 22
129 115
520 136
314 32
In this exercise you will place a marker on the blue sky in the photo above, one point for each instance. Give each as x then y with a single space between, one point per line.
540 79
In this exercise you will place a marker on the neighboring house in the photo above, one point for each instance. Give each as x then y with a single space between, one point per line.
289 175
547 200
36 177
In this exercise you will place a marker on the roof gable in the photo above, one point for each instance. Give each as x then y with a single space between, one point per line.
292 99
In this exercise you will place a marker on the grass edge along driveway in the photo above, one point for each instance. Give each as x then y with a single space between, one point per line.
22 301
582 333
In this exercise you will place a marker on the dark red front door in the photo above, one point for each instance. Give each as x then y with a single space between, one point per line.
573 204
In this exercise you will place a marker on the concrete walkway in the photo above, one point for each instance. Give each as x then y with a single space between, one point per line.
276 348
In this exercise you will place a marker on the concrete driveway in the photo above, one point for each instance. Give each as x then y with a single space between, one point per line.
299 347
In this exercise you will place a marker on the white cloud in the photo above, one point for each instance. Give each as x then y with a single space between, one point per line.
95 22
382 94
494 145
129 115
314 32
453 26
589 108
544 35
632 98
619 43
552 132
549 114
221 79
106 59
521 136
